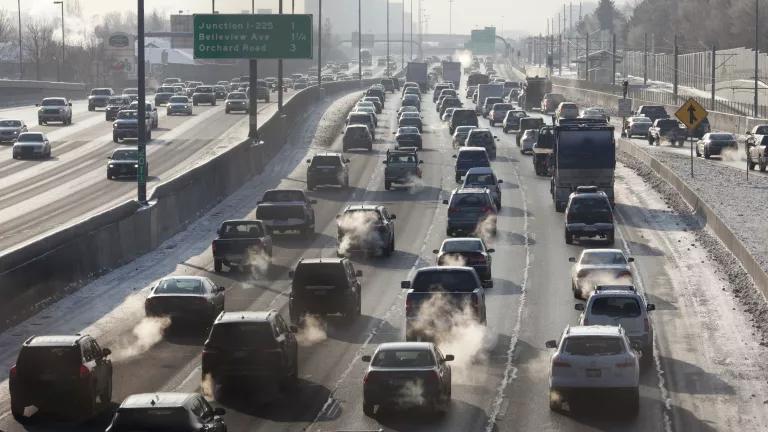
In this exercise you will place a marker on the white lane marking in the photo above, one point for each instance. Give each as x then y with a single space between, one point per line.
510 370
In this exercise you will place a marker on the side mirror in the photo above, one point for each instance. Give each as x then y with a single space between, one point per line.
394 133
445 202
220 289
392 217
650 307
346 160
405 284
421 162
37 105
453 156
291 273
500 181
293 329
579 307
435 251
366 358
309 161
748 132
358 273
550 344
449 357
259 202
491 250
219 411
109 157
70 104
106 352
384 162
313 201
630 259
572 259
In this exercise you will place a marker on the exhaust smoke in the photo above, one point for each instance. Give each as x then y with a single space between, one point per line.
312 331
486 229
587 285
148 332
359 230
258 262
453 260
732 155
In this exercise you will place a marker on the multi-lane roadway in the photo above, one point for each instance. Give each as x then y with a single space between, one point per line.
707 373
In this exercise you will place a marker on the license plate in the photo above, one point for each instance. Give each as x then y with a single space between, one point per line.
594 373
239 354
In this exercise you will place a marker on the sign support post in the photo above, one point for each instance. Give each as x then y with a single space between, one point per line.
141 169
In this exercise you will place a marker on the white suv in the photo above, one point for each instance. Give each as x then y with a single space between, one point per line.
599 267
621 305
593 358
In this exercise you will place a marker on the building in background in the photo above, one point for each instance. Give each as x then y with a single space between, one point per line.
183 24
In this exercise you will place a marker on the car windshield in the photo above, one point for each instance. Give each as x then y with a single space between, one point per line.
516 114
591 208
721 137
49 359
410 115
236 96
180 286
592 346
761 130
444 281
179 99
473 156
479 179
410 130
100 92
616 307
131 91
463 246
656 111
464 130
30 137
130 155
204 89
603 258
128 114
242 230
326 161
54 102
403 358
502 107
116 101
319 274
470 200
10 123
241 334
641 120
359 118
480 139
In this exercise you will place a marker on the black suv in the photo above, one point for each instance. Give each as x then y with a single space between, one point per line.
327 169
114 105
204 94
325 286
64 374
367 228
589 214
250 345
167 412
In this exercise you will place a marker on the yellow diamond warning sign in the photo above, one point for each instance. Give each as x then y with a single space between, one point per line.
691 113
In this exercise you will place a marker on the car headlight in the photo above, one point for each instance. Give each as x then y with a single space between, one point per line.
111 166
114 125
61 110
135 165
15 132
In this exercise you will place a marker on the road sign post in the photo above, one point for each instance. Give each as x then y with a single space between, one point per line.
625 110
691 114
259 36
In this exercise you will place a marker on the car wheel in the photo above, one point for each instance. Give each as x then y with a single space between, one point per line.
91 108
650 140
39 122
706 154
763 166
458 178
115 138
295 313
750 164
106 396
387 184
310 186
368 408
576 291
568 237
217 263
109 176
698 153
611 239
555 403
226 110
18 413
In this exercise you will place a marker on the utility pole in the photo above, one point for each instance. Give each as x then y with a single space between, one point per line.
613 55
645 59
570 27
757 54
713 80
450 17
560 55
360 39
61 71
253 103
21 62
213 6
411 45
674 80
402 38
280 70
586 57
320 47
421 34
141 171
387 73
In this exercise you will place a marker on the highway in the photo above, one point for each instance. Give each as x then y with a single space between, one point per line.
707 368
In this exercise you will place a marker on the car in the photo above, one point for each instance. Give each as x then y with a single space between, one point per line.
448 114
236 101
542 150
599 267
482 137
260 92
456 291
756 145
469 157
469 252
124 162
511 122
653 112
377 91
449 102
567 110
65 374
361 118
412 91
281 210
327 169
204 94
551 101
527 123
717 144
367 228
395 368
167 412
127 126
462 117
185 298
98 98
30 145
527 141
621 305
370 110
589 214
401 167
114 105
595 113
596 358
131 93
149 108
471 90
10 129
220 91
242 244
193 85
179 105
171 81
357 136
471 211
322 286
460 135
499 112
489 102
410 84
163 94
411 100
410 119
484 177
408 136
388 85
376 103
57 109
667 129
637 125
246 346
368 104
438 90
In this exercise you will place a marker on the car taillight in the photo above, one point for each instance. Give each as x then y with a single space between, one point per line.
433 376
487 209
453 210
560 364
208 354
84 371
626 364
13 372
366 377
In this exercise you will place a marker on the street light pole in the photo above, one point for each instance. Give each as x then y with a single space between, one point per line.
141 171
411 56
319 46
61 71
280 72
387 39
253 102
21 63
213 6
360 39
757 53
402 38
450 18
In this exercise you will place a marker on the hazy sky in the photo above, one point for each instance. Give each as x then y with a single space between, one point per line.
511 15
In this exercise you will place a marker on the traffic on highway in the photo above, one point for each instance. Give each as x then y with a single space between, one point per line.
442 240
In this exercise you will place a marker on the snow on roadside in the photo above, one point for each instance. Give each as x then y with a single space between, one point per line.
711 354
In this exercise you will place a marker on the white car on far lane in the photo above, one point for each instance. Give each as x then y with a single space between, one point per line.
599 267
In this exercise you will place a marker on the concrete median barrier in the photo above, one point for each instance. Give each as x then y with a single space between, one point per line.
36 274
23 92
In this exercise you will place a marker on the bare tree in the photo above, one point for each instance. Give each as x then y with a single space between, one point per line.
39 41
6 25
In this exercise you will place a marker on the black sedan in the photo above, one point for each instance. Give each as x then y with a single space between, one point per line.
410 119
124 162
408 136
190 298
716 144
415 369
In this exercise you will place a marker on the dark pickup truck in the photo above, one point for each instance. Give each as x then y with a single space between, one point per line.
127 126
242 244
667 129
450 292
283 210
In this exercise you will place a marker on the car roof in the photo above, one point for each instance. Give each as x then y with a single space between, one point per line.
602 250
124 148
331 260
595 330
184 277
462 239
470 190
480 170
477 129
471 149
53 340
245 316
391 346
353 207
156 400
615 293
445 269
329 153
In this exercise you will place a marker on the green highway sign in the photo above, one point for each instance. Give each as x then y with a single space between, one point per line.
244 36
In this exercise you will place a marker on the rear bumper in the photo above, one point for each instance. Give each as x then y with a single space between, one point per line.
584 230
384 394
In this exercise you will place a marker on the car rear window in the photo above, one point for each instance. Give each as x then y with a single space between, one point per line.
479 180
502 107
444 281
329 161
616 307
10 123
125 155
592 346
49 359
30 137
128 114
283 196
402 158
721 137
470 200
589 206
319 274
241 334
180 286
242 230
479 139
234 96
152 420
204 89
463 246
472 156
100 92
403 358
653 110
603 258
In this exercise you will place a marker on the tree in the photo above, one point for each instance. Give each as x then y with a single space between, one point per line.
6 25
157 22
39 40
606 14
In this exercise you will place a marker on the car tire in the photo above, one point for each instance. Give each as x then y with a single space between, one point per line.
611 238
555 403
706 154
310 186
115 138
458 178
295 313
109 176
650 140
751 164
368 408
18 413
576 291
217 264
698 153
91 108
226 110
763 166
387 184
39 122
194 103
568 237
646 360
105 398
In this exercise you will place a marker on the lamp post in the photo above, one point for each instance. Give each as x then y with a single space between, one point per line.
360 39
387 73
141 169
280 73
61 3
21 63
